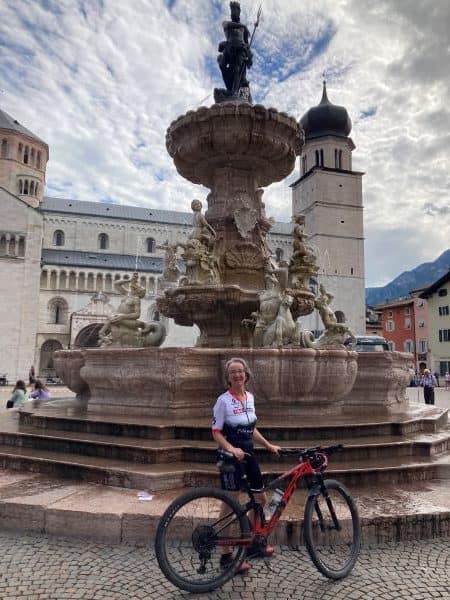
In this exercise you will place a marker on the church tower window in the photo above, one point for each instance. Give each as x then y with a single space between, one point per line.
32 156
58 238
25 187
103 241
321 157
4 148
317 158
150 245
25 155
19 152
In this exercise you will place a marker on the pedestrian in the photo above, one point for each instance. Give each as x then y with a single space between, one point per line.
31 375
19 395
40 392
436 374
447 381
428 382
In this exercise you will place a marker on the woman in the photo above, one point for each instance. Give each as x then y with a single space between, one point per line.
40 392
234 429
19 395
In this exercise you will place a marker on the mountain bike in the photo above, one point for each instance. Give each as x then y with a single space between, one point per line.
201 525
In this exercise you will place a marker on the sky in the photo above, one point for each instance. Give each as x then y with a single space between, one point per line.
101 80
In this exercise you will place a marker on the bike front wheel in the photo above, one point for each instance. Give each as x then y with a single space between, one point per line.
194 533
332 529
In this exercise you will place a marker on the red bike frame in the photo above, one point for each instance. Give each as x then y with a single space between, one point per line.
260 527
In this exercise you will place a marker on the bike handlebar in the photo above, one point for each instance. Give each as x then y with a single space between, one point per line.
307 452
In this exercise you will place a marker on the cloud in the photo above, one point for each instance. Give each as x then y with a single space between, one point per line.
102 81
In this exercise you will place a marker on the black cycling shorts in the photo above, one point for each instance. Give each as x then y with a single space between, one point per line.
232 482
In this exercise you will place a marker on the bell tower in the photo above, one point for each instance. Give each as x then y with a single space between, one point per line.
23 161
329 194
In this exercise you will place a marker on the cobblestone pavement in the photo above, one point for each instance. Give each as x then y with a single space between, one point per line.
38 567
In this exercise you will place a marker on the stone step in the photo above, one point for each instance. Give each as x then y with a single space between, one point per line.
419 418
38 503
144 450
165 476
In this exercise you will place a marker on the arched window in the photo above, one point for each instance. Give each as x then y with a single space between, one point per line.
32 156
150 243
25 186
103 241
57 311
321 157
46 366
20 186
19 152
4 148
25 155
36 188
58 238
32 188
340 159
317 158
38 160
336 160
279 254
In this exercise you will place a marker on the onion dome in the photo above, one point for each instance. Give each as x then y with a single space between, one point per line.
326 119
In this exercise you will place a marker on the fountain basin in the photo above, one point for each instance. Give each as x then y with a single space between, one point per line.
252 138
159 382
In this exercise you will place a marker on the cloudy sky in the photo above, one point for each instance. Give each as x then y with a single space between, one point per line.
101 80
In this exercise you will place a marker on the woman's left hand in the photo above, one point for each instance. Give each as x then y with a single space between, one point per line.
274 449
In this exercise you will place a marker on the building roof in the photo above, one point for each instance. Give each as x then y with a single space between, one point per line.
100 260
326 119
431 289
132 213
8 122
395 303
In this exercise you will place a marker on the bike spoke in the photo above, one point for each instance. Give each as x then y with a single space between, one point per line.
197 536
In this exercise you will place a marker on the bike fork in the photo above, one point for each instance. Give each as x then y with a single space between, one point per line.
326 495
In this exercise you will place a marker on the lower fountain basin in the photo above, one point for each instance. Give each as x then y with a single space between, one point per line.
157 382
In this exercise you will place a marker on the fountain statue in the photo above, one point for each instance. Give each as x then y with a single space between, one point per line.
124 328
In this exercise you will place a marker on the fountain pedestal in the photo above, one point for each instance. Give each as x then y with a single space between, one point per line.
234 149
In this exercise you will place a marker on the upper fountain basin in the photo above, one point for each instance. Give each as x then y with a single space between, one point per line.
250 137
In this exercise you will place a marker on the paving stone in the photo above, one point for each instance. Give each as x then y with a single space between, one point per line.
58 568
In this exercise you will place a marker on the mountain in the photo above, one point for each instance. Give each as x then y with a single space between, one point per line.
422 276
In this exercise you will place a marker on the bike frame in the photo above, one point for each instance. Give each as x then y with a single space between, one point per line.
260 527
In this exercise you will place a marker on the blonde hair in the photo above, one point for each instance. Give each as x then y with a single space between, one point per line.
248 373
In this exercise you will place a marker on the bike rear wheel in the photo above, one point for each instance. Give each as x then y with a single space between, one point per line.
191 537
332 529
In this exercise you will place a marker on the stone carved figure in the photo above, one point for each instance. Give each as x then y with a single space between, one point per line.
335 333
124 328
202 230
235 58
171 272
283 331
201 264
302 265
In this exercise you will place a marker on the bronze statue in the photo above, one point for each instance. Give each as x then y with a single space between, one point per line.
235 58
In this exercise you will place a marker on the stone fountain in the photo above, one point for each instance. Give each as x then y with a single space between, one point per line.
242 302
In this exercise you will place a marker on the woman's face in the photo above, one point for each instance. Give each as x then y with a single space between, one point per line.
236 374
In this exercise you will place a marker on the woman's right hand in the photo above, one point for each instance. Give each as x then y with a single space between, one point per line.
238 453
